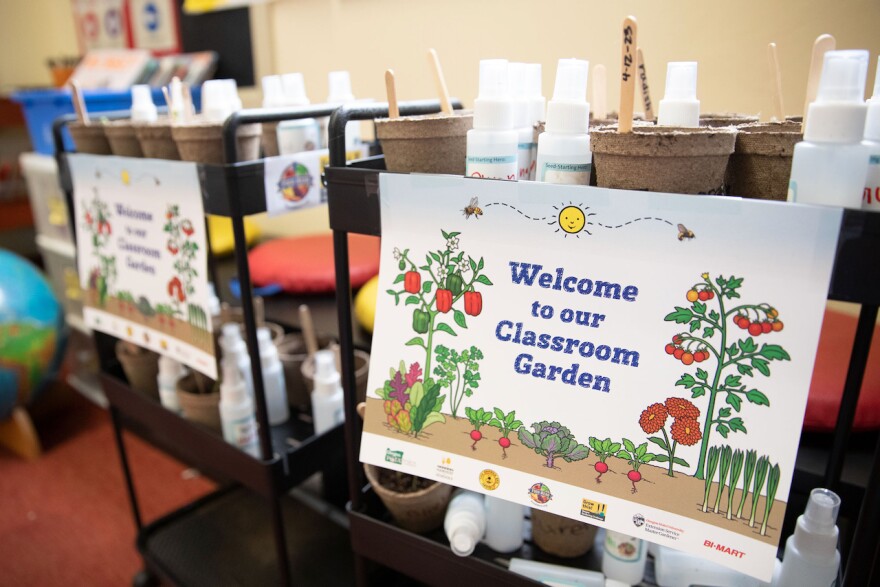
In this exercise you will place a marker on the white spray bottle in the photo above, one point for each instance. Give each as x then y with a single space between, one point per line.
235 350
273 378
170 372
296 136
564 147
465 522
830 165
871 195
811 557
237 411
327 407
142 107
340 94
679 106
491 143
504 524
525 147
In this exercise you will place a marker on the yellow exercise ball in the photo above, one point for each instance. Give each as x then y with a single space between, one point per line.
365 304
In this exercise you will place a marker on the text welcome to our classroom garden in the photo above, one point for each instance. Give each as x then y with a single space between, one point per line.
533 275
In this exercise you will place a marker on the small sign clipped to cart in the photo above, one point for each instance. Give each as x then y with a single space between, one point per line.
634 360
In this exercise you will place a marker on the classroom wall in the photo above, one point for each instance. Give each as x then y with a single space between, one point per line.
31 31
729 40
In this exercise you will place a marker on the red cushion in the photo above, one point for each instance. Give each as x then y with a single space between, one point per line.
304 264
829 375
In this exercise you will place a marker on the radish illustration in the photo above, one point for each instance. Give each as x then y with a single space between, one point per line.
603 449
635 456
477 418
506 423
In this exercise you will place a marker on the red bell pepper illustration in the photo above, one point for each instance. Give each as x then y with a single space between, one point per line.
473 303
412 282
175 288
187 227
444 300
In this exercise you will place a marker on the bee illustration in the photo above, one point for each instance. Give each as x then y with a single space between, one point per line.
684 232
473 209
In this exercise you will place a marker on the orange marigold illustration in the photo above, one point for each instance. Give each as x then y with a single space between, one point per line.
681 408
653 418
686 431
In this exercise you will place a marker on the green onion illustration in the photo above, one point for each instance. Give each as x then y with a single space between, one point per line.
723 467
736 466
772 485
748 471
711 465
760 474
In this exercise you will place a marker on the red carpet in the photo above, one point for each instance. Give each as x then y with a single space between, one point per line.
65 518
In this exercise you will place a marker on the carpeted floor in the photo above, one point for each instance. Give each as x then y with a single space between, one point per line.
65 518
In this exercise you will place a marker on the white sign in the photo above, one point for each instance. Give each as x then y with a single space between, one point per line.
142 254
635 360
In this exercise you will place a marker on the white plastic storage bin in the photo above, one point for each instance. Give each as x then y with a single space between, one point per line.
59 258
47 200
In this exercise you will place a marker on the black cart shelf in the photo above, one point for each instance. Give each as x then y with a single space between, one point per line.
290 453
353 192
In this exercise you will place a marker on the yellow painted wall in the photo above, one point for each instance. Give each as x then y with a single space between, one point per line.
728 39
31 31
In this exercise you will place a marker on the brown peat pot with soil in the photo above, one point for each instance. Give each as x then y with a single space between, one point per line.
156 140
122 138
201 141
416 504
141 368
434 143
663 159
561 536
761 163
89 138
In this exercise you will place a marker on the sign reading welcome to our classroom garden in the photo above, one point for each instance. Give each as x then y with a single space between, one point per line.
141 254
634 360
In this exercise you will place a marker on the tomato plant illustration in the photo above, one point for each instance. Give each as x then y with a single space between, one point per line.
685 428
552 440
96 223
712 336
447 282
459 372
411 404
603 449
184 248
506 423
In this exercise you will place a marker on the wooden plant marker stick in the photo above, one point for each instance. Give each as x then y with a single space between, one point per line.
167 99
391 90
627 74
600 93
646 92
79 104
308 330
776 83
440 81
822 45
188 107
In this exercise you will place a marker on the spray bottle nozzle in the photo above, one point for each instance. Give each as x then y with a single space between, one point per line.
294 89
273 95
822 509
339 83
681 80
493 79
844 74
571 80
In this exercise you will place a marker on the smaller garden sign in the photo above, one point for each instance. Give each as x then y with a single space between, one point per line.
648 355
141 254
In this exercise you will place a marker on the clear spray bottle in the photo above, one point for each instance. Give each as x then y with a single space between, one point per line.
564 147
811 557
871 195
491 144
830 165
525 147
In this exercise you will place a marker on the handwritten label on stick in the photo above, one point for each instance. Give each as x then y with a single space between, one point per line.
627 73
646 92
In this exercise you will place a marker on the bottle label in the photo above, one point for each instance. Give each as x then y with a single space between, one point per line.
622 547
871 195
492 167
526 160
561 169
242 432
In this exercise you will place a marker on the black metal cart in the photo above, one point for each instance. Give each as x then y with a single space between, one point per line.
353 191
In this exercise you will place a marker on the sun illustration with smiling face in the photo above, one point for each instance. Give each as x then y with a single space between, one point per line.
571 220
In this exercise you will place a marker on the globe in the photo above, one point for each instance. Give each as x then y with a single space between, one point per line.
31 332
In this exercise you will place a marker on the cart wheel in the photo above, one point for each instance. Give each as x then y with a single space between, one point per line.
145 579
